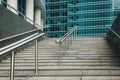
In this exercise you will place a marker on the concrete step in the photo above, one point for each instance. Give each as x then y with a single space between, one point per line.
56 60
70 54
53 78
52 49
27 53
69 57
87 59
45 77
62 63
16 78
67 73
61 67
40 51
91 46
75 78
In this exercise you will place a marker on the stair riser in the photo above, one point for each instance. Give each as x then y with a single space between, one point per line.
85 58
67 72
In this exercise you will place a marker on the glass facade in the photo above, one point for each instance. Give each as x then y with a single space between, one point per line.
22 8
90 15
56 13
3 2
116 7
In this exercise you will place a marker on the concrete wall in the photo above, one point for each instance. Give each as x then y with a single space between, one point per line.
35 10
11 24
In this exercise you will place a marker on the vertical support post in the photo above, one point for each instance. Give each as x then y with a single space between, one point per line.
65 47
72 37
0 2
74 34
59 53
107 29
12 66
76 31
68 41
36 57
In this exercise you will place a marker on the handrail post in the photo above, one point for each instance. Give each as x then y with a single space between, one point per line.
76 31
12 47
36 57
107 29
12 66
60 45
65 46
68 42
72 37
74 34
65 41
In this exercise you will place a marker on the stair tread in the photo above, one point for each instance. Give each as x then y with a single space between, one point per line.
87 59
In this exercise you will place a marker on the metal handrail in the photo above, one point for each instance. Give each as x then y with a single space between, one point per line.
65 40
7 38
12 47
66 35
19 43
17 35
114 32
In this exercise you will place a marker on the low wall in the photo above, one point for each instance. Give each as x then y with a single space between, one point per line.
11 24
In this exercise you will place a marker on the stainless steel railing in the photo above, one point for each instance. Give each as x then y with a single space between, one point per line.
114 32
17 35
24 33
12 49
65 41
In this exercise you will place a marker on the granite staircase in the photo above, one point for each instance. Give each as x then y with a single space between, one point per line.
87 59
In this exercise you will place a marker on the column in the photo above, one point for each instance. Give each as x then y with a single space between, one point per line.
42 22
30 10
0 1
113 5
13 4
38 17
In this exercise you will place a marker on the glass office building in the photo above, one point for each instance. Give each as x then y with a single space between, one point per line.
56 17
90 15
116 7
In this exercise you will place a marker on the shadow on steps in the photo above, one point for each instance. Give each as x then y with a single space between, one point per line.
115 52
